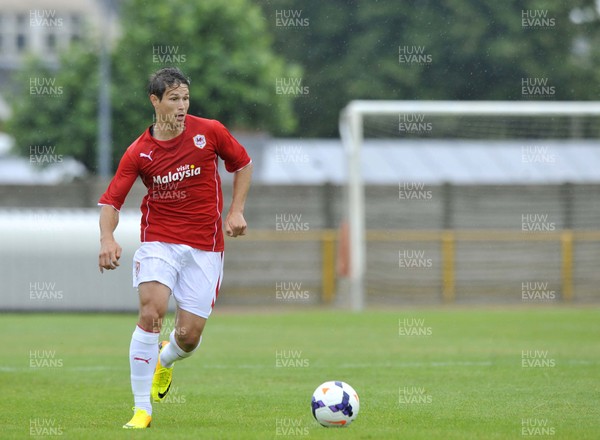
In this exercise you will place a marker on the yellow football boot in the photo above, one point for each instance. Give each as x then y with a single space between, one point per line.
161 382
140 420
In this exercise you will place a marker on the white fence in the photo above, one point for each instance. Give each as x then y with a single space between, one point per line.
49 261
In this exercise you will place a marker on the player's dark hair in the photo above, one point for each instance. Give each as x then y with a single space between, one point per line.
166 77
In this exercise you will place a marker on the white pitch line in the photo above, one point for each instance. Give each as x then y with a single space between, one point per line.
264 366
4 369
208 366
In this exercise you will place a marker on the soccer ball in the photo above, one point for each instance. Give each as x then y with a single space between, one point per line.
335 403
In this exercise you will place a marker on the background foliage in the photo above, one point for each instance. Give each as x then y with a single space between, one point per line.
234 52
223 46
479 50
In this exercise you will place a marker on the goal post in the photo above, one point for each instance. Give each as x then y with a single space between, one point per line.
481 120
351 132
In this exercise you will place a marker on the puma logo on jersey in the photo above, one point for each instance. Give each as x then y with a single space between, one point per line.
147 156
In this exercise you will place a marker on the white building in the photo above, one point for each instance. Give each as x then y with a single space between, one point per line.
43 28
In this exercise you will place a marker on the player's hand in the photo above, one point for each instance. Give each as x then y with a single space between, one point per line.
110 253
235 224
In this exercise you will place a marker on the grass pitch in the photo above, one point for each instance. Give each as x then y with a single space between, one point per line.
420 374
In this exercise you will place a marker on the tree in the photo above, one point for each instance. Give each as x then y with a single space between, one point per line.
57 110
477 50
221 45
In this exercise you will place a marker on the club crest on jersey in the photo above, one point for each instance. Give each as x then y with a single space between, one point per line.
200 141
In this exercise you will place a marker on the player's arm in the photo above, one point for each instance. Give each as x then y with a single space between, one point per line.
110 251
238 162
111 202
235 224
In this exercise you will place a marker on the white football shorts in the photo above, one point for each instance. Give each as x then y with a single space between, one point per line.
194 276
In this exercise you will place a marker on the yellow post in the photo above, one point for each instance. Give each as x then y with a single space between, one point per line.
566 240
328 266
448 280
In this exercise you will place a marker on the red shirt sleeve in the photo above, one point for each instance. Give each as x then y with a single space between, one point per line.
234 155
121 183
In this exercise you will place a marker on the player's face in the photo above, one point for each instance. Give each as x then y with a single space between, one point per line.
174 104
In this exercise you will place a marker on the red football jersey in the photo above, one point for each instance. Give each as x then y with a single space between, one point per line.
184 200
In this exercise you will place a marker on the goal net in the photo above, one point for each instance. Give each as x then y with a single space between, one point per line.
471 201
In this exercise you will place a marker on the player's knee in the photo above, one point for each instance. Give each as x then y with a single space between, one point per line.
151 318
188 347
188 341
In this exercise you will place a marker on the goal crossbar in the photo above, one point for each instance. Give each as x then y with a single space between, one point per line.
542 108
